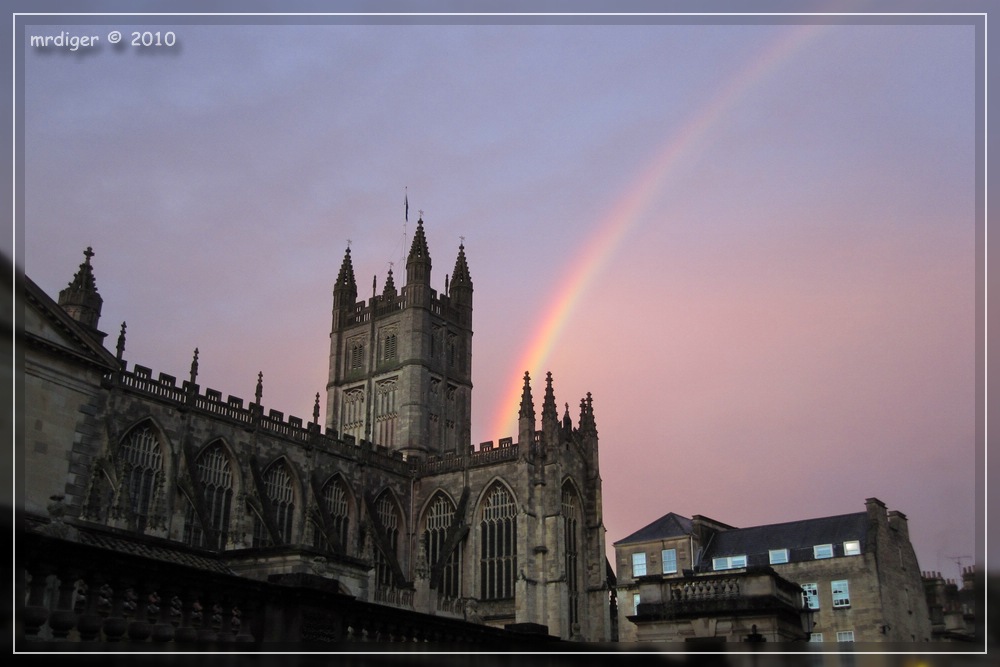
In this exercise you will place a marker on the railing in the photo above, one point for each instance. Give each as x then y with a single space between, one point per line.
105 591
711 589
395 597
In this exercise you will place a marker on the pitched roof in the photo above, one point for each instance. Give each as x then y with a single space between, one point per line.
668 525
799 537
67 336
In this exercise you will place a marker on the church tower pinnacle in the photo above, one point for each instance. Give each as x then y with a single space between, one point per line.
80 299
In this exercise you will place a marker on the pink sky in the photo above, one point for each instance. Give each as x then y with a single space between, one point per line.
754 245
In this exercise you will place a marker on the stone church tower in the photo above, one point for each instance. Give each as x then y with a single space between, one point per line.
401 364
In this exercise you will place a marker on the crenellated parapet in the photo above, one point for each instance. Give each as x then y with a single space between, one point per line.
163 388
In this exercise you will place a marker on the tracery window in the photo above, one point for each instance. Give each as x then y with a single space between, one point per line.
334 503
440 516
385 509
278 487
571 516
216 479
498 538
142 465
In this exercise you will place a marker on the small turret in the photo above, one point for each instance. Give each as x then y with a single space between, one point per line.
460 288
389 291
80 299
418 270
345 290
418 262
550 414
526 414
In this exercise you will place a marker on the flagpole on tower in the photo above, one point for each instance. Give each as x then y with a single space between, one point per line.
406 217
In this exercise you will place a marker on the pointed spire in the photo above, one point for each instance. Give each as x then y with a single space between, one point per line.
527 410
418 248
460 276
316 410
549 411
345 279
194 367
418 262
80 299
389 291
567 422
120 349
84 281
345 290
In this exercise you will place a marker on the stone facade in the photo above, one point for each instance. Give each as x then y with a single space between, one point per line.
386 496
857 574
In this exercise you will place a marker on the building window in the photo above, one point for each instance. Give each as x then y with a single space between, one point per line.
440 516
357 356
852 548
729 562
572 541
823 551
385 509
810 596
777 556
278 487
845 636
498 537
669 561
638 565
216 479
389 347
141 459
335 505
816 637
841 594
635 602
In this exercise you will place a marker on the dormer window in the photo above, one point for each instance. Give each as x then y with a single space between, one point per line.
729 562
776 556
852 548
823 551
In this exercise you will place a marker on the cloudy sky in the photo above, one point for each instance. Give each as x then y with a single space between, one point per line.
753 242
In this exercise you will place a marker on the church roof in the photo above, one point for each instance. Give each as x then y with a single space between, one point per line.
668 525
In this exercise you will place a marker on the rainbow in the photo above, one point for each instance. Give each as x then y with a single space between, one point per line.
601 246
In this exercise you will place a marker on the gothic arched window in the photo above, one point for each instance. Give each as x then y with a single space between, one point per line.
334 503
278 487
216 478
571 518
498 541
439 518
388 516
142 465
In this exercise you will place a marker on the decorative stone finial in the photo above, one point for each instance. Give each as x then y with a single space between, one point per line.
194 366
120 349
260 387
